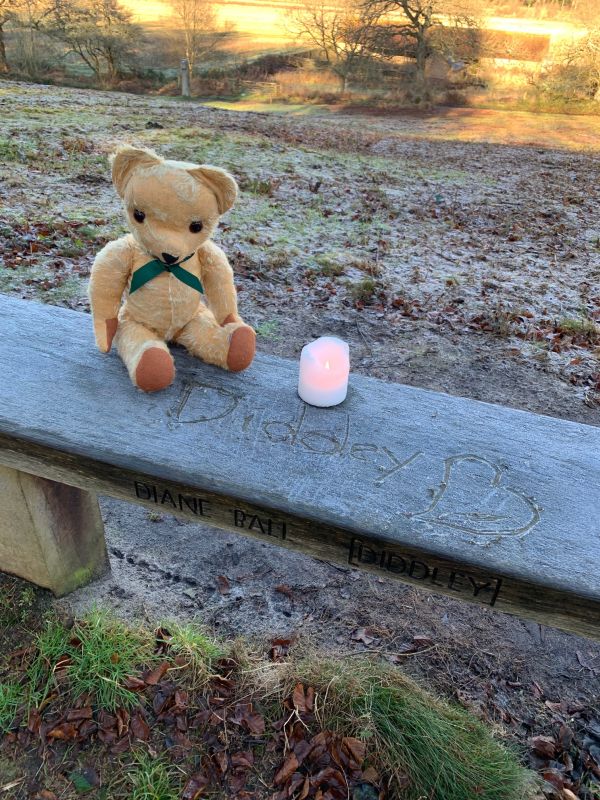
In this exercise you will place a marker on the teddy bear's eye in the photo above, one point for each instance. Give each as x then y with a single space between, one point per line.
138 215
195 227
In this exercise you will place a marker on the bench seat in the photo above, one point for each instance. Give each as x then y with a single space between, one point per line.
479 502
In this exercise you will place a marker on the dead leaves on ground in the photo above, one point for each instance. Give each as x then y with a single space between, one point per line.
219 737
567 761
325 765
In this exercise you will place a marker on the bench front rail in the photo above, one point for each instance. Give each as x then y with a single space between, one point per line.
479 502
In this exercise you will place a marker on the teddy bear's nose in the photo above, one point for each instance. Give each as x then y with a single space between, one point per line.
168 258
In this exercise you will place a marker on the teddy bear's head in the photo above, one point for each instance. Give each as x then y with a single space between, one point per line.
172 207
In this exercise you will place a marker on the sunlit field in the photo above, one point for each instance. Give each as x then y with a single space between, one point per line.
267 21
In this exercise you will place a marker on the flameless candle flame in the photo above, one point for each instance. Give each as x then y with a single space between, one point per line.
324 370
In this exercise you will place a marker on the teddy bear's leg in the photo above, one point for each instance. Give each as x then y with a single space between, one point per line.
230 346
147 358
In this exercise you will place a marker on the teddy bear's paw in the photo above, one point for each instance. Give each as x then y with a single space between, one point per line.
242 347
155 370
104 331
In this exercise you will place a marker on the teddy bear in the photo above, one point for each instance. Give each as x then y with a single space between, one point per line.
178 283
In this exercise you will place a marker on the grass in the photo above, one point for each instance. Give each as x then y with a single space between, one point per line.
362 291
193 649
268 329
151 779
261 187
431 749
12 151
16 603
444 752
10 699
330 265
581 327
95 656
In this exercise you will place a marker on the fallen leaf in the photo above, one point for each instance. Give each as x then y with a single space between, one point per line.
122 722
77 714
87 728
245 716
156 675
565 737
356 749
279 649
567 794
544 746
553 777
284 773
299 699
364 635
139 727
221 761
64 732
195 787
134 684
244 759
422 642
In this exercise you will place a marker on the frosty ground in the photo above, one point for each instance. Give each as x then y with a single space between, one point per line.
457 251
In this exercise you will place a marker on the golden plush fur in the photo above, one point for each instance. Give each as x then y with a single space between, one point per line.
171 196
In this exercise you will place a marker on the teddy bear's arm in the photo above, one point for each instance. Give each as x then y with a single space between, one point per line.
110 272
217 279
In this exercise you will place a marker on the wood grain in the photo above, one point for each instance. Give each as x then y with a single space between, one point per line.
479 502
50 533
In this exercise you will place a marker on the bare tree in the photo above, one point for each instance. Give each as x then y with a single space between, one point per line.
100 32
344 33
34 50
201 29
576 73
423 27
8 10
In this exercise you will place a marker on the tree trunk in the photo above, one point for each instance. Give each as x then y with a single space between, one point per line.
421 58
3 62
185 78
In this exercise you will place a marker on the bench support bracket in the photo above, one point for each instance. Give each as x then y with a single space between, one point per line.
50 534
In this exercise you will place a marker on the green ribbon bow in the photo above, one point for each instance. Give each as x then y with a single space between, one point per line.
156 267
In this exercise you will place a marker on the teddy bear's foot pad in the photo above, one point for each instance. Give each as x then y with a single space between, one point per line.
242 347
155 371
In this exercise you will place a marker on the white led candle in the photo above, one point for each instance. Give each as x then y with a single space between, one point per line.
324 370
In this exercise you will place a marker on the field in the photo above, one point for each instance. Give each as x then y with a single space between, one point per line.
457 251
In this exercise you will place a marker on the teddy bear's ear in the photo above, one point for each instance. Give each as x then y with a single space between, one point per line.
222 185
125 160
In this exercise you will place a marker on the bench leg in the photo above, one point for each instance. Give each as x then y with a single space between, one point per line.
50 534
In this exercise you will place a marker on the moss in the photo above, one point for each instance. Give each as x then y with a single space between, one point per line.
363 291
330 264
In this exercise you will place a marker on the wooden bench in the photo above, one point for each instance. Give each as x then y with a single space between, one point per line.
479 502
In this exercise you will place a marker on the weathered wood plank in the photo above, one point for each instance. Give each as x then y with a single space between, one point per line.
50 533
480 502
